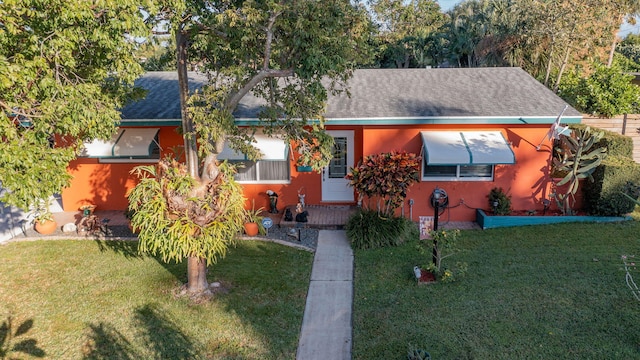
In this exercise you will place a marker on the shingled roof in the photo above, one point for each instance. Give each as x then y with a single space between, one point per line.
463 95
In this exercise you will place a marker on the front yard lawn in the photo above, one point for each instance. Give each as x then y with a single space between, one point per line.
537 292
81 299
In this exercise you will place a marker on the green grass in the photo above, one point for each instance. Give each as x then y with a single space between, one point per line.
96 300
540 292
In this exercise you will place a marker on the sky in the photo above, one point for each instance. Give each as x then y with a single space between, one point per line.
446 5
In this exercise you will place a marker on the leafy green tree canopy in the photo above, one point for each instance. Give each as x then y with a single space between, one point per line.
607 91
409 32
65 67
289 55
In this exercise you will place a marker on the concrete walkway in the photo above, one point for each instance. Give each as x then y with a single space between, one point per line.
327 326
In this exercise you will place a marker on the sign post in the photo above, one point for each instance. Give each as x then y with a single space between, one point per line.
267 223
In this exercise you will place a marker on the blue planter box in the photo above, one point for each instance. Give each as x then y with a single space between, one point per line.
304 168
491 221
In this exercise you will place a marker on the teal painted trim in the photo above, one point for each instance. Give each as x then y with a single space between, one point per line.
385 121
304 168
151 122
435 120
491 222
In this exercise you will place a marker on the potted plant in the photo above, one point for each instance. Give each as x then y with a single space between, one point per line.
253 220
44 222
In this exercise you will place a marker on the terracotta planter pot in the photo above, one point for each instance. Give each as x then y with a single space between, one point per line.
251 229
46 228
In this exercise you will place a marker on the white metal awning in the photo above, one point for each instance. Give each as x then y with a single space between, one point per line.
270 148
126 143
466 148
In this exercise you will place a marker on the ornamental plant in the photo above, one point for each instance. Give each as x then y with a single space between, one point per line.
576 157
385 179
177 217
499 201
442 244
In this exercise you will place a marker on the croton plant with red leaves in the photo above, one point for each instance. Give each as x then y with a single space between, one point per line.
385 179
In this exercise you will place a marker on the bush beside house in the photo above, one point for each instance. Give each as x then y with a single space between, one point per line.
616 175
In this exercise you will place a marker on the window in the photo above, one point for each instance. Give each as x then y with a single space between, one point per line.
272 168
128 145
457 172
463 155
263 171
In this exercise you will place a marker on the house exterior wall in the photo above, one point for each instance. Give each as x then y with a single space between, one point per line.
106 184
527 181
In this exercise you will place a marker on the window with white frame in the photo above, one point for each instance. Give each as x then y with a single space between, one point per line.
273 166
128 145
463 155
457 172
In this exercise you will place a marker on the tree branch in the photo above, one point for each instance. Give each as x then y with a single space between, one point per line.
234 100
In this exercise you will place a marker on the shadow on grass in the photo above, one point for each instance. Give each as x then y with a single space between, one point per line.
126 248
161 336
275 278
129 249
105 342
12 342
274 311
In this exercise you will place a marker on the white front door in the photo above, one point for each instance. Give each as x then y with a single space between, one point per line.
334 186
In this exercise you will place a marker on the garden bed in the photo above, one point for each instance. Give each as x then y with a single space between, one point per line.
487 221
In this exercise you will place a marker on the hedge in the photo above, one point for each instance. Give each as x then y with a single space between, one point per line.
603 196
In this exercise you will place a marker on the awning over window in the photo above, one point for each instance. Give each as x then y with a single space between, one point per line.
270 148
466 147
126 143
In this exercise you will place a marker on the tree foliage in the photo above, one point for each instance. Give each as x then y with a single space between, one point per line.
605 92
288 54
629 50
409 32
200 226
65 67
543 37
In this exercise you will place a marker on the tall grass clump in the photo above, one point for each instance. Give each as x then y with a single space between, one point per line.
366 229
382 182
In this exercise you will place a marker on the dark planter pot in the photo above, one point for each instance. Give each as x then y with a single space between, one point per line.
492 221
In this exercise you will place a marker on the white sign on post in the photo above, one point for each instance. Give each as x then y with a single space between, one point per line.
426 225
267 223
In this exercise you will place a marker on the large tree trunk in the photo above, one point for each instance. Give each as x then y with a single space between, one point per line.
197 267
196 275
612 51
547 73
565 61
190 145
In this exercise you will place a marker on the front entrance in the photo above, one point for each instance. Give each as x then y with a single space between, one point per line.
334 186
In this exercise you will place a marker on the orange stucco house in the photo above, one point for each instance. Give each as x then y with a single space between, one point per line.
476 128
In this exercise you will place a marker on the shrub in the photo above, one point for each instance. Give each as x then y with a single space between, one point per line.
366 229
604 196
503 201
385 177
616 144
